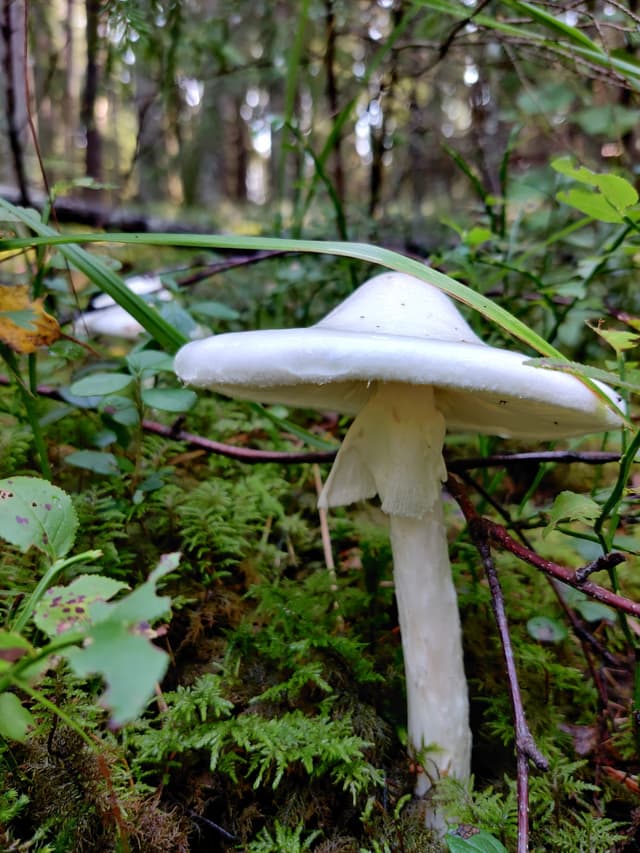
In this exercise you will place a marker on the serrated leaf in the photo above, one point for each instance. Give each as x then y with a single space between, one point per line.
97 461
571 506
169 399
100 384
62 608
479 842
618 340
35 513
118 646
15 719
546 630
130 665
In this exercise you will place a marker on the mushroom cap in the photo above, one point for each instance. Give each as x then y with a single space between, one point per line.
397 328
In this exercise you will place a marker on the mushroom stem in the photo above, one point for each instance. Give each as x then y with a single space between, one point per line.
394 449
437 699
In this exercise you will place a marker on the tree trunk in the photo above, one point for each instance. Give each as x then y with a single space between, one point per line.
93 155
14 67
332 96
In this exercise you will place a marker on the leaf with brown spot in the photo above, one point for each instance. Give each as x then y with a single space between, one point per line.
24 324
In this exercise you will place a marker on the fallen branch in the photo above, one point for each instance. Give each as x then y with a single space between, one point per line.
572 577
526 749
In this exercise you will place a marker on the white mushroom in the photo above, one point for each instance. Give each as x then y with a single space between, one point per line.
399 355
106 317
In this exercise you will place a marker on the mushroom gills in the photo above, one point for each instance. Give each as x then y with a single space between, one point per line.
392 449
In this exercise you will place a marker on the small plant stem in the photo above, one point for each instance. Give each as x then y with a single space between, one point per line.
325 535
41 699
28 402
70 638
54 569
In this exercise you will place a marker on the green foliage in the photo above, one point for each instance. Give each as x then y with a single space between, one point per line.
36 514
250 746
284 840
478 842
111 639
561 813
221 518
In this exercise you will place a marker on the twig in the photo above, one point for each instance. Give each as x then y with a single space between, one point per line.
325 535
526 748
590 457
525 745
242 454
498 533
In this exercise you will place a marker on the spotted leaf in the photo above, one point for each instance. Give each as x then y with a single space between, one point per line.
36 514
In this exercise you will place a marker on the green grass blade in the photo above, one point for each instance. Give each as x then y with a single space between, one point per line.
551 22
98 272
359 251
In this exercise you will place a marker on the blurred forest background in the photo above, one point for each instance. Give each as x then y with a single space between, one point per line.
269 115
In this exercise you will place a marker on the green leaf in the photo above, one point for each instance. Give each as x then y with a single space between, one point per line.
592 611
617 191
94 460
149 361
631 380
479 842
64 607
571 506
100 384
12 648
477 235
614 195
129 663
617 340
590 203
546 630
15 719
119 646
554 23
169 399
122 410
602 119
35 513
564 166
214 310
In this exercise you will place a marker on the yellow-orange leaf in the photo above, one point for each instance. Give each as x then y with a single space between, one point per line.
24 324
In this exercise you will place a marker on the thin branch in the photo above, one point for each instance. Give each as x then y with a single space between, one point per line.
525 745
588 457
498 533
